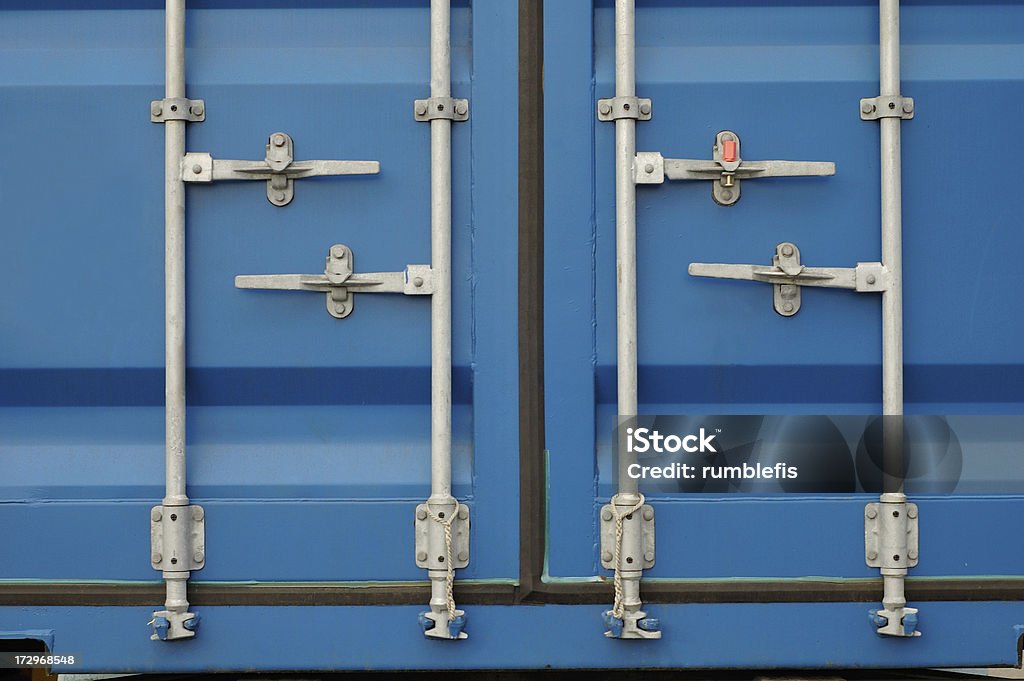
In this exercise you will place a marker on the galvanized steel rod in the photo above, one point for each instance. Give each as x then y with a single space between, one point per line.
625 237
440 254
174 262
892 247
176 581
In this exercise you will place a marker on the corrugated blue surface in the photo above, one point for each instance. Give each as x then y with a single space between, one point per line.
308 436
788 80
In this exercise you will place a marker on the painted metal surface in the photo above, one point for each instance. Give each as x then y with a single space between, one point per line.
309 437
789 80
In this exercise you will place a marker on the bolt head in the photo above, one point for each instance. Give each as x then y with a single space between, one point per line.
461 108
417 282
338 252
606 515
278 140
156 109
340 308
156 514
197 513
421 556
645 108
908 106
463 512
648 514
787 250
727 137
872 555
197 109
197 169
867 108
911 512
605 108
649 168
871 279
158 558
727 195
649 556
606 556
788 307
463 556
280 197
198 557
871 514
421 108
912 555
421 515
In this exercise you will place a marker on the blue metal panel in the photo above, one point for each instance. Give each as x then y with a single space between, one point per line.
308 436
788 80
703 636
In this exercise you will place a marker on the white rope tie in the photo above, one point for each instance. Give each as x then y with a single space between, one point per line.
618 610
450 577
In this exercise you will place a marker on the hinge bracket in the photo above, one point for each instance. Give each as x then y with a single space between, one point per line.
177 109
623 107
177 538
637 539
874 108
441 107
429 543
891 535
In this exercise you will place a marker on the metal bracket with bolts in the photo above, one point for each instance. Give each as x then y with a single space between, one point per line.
441 547
874 108
787 275
615 108
726 168
340 282
177 109
627 548
177 545
279 169
891 544
425 110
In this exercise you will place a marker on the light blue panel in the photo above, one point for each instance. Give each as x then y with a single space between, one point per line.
570 388
834 635
788 80
298 424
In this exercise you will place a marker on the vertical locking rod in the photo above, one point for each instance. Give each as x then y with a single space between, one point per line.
622 621
443 620
892 217
895 619
440 255
174 279
176 534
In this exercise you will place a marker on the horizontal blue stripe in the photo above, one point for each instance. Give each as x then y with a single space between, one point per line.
803 384
763 636
228 386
